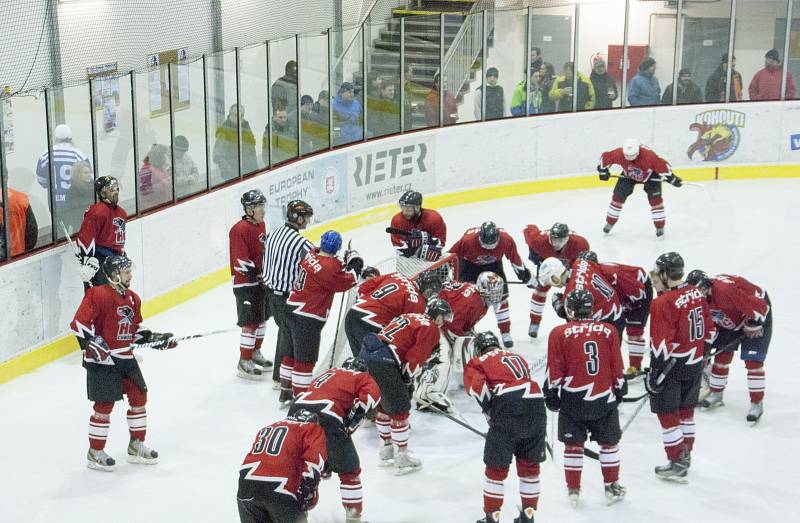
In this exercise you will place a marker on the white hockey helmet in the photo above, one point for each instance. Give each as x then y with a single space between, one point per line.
630 149
62 133
552 272
490 287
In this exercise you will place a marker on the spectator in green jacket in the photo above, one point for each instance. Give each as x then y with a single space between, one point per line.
535 96
562 90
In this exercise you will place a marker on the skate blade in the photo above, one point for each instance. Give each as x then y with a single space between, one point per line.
265 366
574 503
708 406
386 463
97 466
140 460
753 422
614 500
406 470
249 377
674 479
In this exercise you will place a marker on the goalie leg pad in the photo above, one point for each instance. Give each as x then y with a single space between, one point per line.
433 384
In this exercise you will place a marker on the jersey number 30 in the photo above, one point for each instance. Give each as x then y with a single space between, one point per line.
270 440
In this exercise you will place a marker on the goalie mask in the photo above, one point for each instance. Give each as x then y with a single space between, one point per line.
490 287
304 416
552 272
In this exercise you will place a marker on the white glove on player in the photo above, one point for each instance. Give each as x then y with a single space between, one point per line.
89 267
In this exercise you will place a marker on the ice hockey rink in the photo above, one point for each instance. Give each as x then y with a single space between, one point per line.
202 418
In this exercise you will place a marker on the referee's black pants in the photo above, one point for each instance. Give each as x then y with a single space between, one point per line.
280 311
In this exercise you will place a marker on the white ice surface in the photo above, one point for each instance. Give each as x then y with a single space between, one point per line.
202 418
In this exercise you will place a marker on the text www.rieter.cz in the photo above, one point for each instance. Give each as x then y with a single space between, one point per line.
389 191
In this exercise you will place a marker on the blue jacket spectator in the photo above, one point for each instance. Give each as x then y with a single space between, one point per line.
347 113
644 88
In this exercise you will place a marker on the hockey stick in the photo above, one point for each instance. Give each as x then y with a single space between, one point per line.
659 179
150 344
74 247
642 401
399 232
456 420
338 319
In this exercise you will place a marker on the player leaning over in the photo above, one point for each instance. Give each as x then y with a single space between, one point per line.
742 313
680 326
585 385
425 228
322 275
394 357
556 242
639 165
102 232
342 397
482 249
246 245
511 400
279 478
106 323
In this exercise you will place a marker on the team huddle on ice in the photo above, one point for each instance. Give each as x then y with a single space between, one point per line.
409 331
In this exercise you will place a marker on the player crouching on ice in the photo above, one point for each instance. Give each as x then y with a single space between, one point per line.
107 323
394 357
513 404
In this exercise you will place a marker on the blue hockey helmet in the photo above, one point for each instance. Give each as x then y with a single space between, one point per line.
331 242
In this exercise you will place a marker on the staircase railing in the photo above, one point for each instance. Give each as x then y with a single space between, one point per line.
467 45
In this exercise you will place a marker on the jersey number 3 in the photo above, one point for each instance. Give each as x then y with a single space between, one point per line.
593 363
270 440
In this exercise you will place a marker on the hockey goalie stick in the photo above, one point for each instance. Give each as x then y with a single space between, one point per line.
182 338
338 320
72 246
399 232
456 420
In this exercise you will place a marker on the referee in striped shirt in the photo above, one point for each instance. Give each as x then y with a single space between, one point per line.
284 251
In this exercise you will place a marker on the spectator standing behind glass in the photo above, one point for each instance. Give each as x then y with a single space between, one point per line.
547 76
536 59
315 133
155 178
79 196
644 88
383 114
187 177
605 89
286 87
23 231
432 104
495 99
535 96
65 156
322 108
284 134
347 113
226 148
414 94
688 91
561 92
715 85
766 84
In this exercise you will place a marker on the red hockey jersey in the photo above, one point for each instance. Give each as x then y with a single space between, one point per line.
468 306
498 373
584 361
320 278
629 282
680 324
412 338
539 246
588 276
429 221
246 245
114 316
645 165
385 297
734 300
283 454
103 229
469 248
337 391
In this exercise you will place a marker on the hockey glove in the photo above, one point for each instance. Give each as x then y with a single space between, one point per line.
417 238
89 267
155 340
558 304
353 419
752 330
620 392
307 493
523 274
552 400
430 252
353 262
96 350
603 173
535 258
673 180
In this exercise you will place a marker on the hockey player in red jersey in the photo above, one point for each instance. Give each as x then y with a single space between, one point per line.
635 291
511 400
585 385
279 477
383 298
322 275
482 249
342 397
427 232
556 242
742 313
639 165
680 327
107 323
394 357
102 232
246 245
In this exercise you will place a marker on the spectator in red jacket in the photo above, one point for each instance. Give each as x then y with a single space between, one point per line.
766 84
432 105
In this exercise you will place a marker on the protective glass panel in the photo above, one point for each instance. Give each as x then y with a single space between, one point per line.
224 116
315 100
462 67
792 60
348 79
383 81
504 73
253 92
188 102
600 28
704 36
283 101
154 173
421 47
552 33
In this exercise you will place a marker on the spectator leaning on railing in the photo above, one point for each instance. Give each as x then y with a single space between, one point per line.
766 84
644 88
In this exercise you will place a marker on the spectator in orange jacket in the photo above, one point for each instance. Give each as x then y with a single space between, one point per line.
23 231
432 104
766 84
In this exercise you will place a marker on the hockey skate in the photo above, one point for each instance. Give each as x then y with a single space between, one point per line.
405 462
712 401
247 370
675 471
633 374
574 495
276 385
386 455
533 330
140 454
260 360
755 412
99 460
508 341
285 398
352 515
659 232
491 517
607 227
614 493
525 516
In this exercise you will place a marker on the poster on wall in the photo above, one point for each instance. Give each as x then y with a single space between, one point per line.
8 127
380 173
105 93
